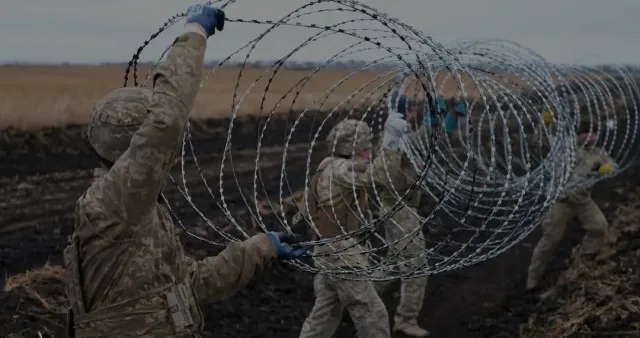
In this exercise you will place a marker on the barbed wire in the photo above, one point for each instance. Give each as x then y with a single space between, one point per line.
484 185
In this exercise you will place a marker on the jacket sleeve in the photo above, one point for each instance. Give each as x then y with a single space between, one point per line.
217 278
136 179
350 174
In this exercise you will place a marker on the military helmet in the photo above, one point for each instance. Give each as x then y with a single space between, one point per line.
342 136
115 118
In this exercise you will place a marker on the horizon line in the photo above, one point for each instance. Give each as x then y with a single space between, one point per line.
260 63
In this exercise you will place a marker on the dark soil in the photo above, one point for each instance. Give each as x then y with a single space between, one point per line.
42 174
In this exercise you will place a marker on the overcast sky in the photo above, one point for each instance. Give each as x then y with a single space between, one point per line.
584 31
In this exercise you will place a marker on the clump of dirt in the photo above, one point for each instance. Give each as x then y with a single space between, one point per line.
601 296
37 296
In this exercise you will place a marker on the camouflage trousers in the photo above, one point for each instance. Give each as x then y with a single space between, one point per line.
359 298
406 244
554 224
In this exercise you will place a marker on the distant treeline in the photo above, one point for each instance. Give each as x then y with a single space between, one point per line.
356 64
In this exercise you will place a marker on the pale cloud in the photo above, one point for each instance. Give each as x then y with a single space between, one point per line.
96 31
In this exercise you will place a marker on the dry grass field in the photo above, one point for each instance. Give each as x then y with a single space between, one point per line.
37 96
33 96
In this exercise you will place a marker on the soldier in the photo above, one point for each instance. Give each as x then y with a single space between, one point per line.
577 204
126 270
450 112
406 242
332 205
404 234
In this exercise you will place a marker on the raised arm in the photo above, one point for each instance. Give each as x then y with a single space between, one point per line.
348 174
137 177
131 187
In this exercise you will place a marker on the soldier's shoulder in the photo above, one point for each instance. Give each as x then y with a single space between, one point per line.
328 163
339 163
95 203
90 205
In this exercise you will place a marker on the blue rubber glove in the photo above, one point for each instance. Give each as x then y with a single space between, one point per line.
286 245
208 17
441 105
451 120
460 108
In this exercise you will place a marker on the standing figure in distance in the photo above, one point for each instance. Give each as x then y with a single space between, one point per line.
403 231
332 205
126 271
577 204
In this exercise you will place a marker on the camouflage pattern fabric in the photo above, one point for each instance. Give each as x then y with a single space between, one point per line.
588 162
349 136
575 204
407 243
554 224
126 270
359 298
403 230
339 176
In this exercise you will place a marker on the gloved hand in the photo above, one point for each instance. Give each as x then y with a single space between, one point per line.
451 121
606 168
206 16
394 130
286 245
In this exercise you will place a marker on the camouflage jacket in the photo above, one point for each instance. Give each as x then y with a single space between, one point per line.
396 175
588 160
587 163
340 177
127 273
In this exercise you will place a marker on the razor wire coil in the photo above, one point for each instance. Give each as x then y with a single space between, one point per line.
487 184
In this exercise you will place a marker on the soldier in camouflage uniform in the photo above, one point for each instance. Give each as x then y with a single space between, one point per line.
577 204
403 231
127 273
403 234
332 206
